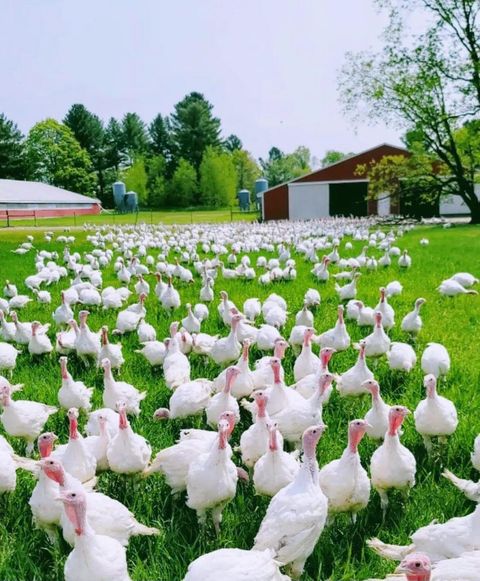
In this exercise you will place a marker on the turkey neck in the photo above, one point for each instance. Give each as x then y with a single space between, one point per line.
354 439
73 435
394 425
272 440
308 472
123 421
104 337
108 376
261 409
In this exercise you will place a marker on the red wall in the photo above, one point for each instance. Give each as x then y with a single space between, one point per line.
275 203
50 212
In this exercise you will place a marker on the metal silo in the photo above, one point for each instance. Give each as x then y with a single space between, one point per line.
260 186
119 192
131 202
244 200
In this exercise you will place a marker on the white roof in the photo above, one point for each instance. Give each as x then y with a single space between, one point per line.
19 192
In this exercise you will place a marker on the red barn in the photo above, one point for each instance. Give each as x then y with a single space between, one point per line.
333 190
20 199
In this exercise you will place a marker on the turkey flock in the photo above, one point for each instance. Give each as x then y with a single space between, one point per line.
243 396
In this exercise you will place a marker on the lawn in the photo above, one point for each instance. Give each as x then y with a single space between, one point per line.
147 217
341 554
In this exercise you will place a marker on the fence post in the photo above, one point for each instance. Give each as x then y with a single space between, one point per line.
74 218
8 219
35 218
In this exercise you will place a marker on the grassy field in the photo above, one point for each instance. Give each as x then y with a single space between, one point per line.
146 217
341 554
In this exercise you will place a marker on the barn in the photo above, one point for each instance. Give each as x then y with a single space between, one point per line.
22 199
330 191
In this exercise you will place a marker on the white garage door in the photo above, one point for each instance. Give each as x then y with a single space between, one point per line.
307 201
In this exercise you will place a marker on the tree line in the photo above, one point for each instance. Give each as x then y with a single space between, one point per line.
177 160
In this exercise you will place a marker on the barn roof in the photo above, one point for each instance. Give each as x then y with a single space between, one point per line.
18 192
344 169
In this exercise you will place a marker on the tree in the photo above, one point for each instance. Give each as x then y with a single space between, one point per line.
416 179
233 143
246 169
55 157
12 159
135 178
429 87
218 179
135 140
90 134
183 187
281 167
160 140
333 156
194 128
114 156
87 129
157 191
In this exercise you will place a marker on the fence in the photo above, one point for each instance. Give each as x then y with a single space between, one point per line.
31 218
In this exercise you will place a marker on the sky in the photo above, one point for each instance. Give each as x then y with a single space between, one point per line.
269 67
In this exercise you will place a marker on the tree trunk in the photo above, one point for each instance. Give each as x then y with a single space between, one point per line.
475 213
473 202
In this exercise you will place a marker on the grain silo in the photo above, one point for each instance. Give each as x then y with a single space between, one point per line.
131 202
244 200
119 192
261 185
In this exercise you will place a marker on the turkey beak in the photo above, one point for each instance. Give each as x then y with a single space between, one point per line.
402 569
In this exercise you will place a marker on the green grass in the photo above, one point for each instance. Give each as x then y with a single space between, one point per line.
153 217
341 554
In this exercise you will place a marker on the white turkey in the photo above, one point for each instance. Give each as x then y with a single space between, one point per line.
435 360
254 440
127 452
189 399
392 465
212 479
73 394
336 338
465 279
377 416
22 418
401 357
240 564
412 322
224 400
435 416
114 391
388 314
452 288
345 481
275 468
228 348
296 515
437 540
378 342
94 557
351 382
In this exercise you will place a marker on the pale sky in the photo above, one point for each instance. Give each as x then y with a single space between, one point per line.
268 66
